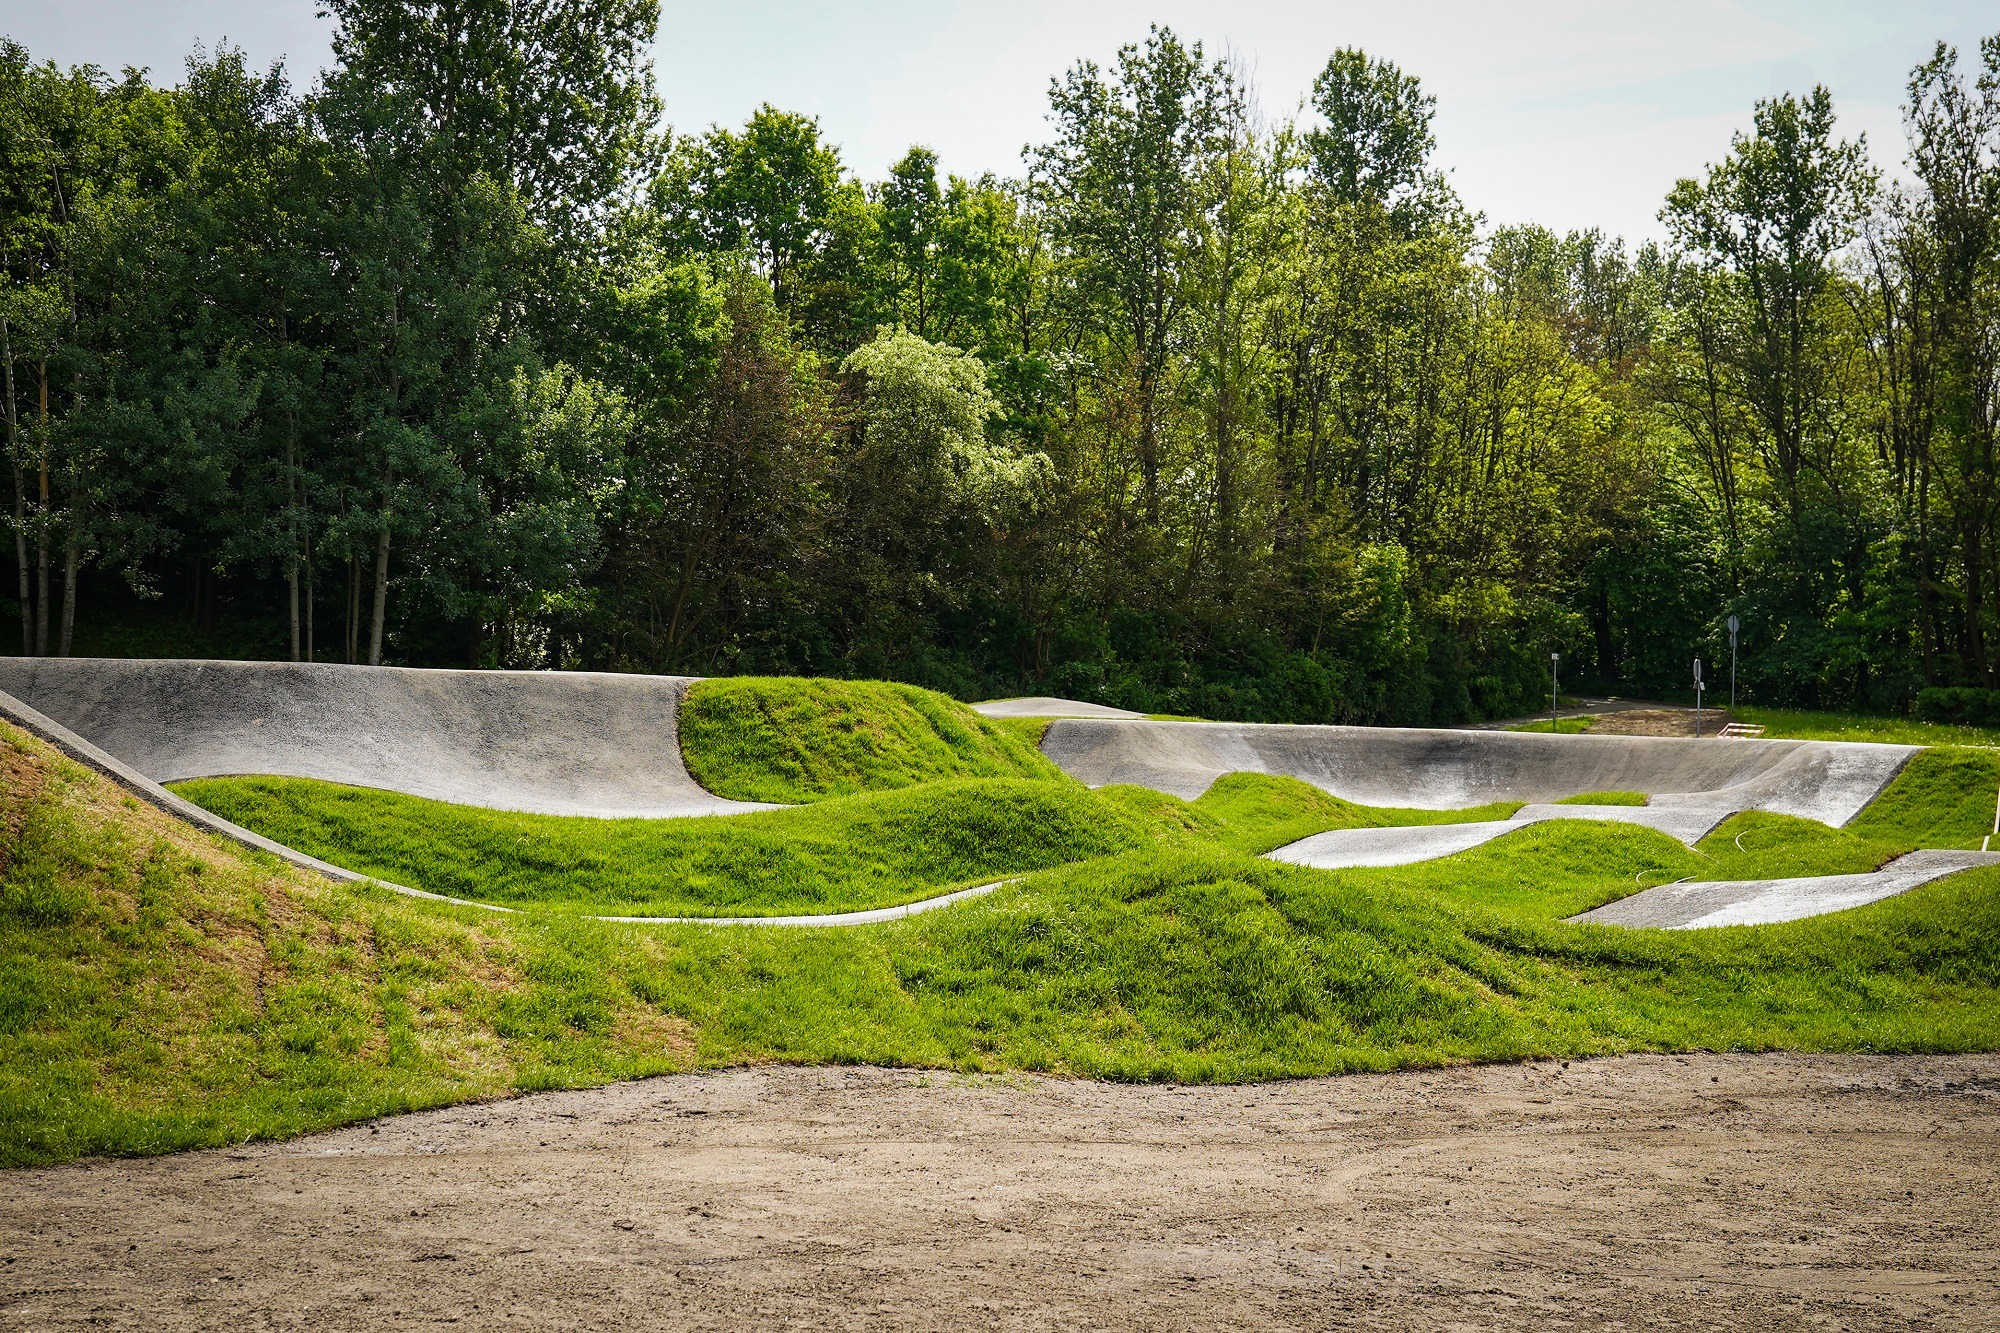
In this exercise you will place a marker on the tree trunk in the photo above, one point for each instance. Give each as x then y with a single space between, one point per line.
353 610
310 655
20 494
292 545
42 527
381 597
72 557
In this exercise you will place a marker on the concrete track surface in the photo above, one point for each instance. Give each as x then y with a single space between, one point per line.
1423 842
1444 770
1776 1192
1761 902
1044 706
542 742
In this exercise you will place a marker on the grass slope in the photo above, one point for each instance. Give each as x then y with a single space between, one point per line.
788 740
1803 725
1606 798
1569 726
873 850
160 988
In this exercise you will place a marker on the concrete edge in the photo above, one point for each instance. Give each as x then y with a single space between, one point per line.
866 917
1909 752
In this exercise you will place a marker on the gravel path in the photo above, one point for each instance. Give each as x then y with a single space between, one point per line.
1780 1192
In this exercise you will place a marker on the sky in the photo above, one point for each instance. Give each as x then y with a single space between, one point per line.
1571 113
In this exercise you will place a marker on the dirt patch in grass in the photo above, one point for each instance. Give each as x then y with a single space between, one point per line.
1660 722
1703 1191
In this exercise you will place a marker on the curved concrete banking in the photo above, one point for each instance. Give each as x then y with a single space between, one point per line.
91 756
1046 706
540 742
1408 844
1762 902
1443 770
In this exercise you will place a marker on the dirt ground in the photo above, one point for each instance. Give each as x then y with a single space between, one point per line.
1644 1192
1660 722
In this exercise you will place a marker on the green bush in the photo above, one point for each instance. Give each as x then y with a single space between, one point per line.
1965 706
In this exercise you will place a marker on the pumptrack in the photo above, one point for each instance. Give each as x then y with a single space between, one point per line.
607 745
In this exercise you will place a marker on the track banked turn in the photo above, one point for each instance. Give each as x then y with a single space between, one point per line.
538 742
607 745
1443 770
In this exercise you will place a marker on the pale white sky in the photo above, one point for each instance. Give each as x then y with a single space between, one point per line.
1571 114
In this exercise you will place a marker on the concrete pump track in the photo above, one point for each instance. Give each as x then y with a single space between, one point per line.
607 745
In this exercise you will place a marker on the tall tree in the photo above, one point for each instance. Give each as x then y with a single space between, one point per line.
1376 141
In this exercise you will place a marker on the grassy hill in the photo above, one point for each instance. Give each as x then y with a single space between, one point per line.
787 740
161 988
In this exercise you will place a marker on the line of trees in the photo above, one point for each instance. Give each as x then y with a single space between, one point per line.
458 357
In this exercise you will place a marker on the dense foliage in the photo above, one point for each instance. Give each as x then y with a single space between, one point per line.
459 357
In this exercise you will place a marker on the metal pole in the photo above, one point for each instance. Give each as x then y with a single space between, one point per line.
1697 698
1734 625
1555 713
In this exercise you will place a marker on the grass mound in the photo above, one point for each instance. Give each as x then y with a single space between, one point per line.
873 850
1943 797
160 988
1258 812
1606 798
878 849
786 740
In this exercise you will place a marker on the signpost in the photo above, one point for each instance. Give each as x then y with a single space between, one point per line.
1555 715
1697 698
1734 625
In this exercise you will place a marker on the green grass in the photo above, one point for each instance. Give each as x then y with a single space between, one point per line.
872 850
1027 730
1944 797
1799 724
878 849
1569 726
160 988
786 740
1606 798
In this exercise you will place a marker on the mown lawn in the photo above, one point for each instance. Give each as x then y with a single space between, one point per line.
161 989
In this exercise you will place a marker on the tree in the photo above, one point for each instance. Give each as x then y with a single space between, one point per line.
769 191
1121 184
1771 221
551 98
1376 142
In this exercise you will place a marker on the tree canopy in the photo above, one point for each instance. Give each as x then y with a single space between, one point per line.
460 356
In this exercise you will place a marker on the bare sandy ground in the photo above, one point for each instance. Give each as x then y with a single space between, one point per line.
1644 1192
1661 722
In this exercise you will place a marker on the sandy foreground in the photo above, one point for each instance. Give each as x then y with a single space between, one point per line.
1846 1192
